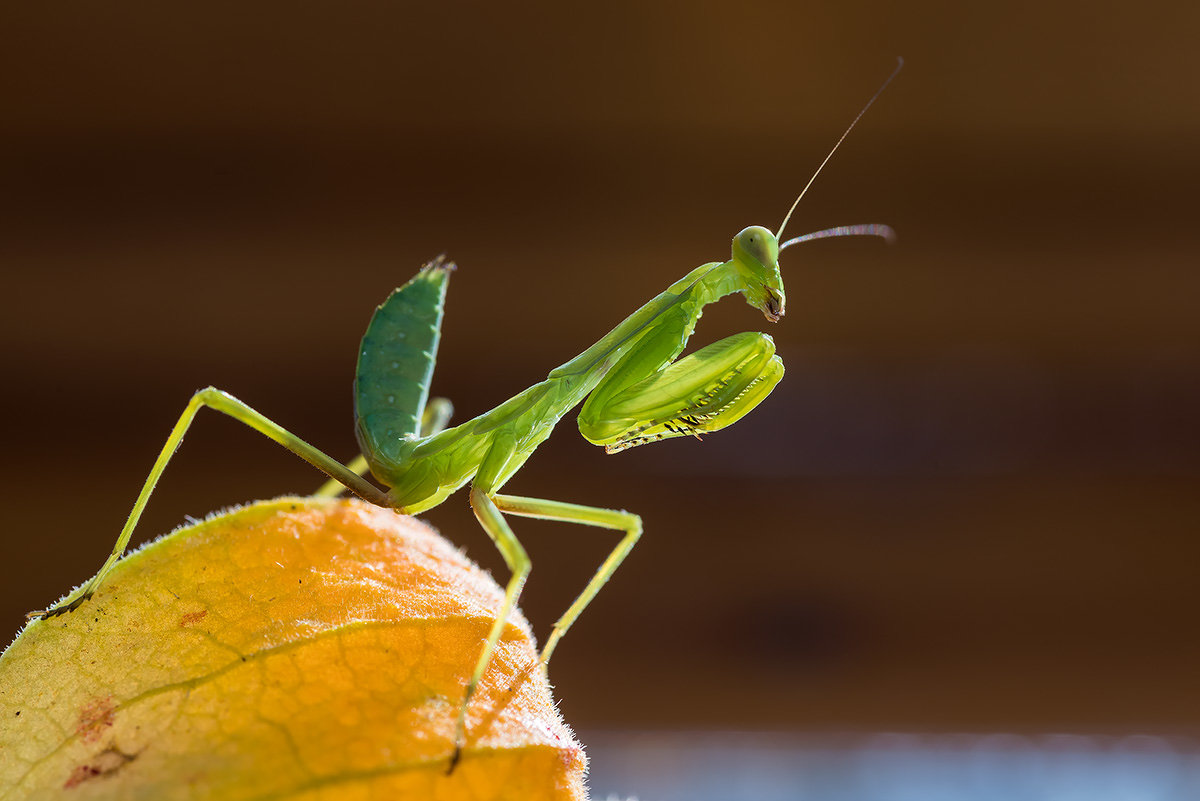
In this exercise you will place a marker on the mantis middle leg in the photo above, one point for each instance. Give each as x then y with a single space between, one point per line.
225 403
490 509
618 520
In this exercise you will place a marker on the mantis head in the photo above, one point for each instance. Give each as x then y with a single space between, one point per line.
756 249
756 256
756 259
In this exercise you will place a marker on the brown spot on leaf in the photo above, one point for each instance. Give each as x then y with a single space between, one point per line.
192 617
94 718
106 762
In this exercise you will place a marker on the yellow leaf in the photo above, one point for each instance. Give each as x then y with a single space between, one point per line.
293 649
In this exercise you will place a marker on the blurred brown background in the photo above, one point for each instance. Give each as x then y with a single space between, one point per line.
972 504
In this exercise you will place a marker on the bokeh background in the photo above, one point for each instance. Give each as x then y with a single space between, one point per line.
972 504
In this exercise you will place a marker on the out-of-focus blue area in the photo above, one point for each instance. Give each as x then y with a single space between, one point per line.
891 767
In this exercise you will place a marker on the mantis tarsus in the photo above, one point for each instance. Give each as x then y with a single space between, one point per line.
634 387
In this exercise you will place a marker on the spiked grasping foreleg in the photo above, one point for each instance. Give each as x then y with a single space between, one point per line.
700 393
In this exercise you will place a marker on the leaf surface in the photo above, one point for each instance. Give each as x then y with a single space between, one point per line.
292 649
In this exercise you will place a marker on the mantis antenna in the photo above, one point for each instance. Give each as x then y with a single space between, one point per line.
870 229
779 234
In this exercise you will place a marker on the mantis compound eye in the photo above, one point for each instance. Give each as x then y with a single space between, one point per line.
758 244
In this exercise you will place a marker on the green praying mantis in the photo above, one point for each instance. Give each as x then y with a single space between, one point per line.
634 387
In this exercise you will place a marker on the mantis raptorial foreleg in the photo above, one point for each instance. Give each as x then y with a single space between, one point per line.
225 403
700 393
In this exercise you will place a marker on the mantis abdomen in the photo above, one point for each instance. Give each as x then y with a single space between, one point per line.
396 361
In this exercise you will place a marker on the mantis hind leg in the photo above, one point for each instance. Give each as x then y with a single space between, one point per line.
226 404
433 420
333 488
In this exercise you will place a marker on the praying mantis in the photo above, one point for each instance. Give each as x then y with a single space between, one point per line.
634 386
